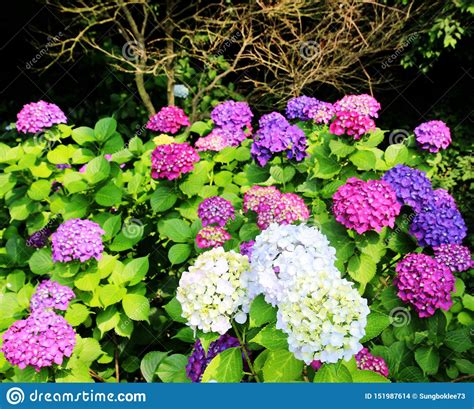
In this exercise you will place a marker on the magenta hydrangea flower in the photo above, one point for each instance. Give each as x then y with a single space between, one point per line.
51 295
199 360
455 256
215 210
316 365
424 283
169 120
363 104
366 361
287 209
232 114
364 206
433 136
300 107
220 138
411 186
39 116
351 123
212 236
257 195
77 239
170 161
41 340
322 113
246 248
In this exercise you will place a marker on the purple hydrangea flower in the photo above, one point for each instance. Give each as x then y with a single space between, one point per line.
77 239
51 295
300 107
38 116
433 136
442 197
232 114
215 210
363 104
199 360
316 365
455 256
424 283
411 186
169 120
246 248
41 340
39 239
62 166
366 361
322 113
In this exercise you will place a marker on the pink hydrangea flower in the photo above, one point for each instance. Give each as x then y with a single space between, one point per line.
258 195
322 113
212 236
363 104
170 161
351 123
288 208
38 116
433 136
366 361
51 295
169 120
364 206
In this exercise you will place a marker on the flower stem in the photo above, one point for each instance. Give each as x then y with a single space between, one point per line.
247 358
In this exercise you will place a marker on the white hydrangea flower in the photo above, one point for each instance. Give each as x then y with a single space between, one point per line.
281 253
214 291
324 317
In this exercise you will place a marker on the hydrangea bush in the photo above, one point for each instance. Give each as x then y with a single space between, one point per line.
294 246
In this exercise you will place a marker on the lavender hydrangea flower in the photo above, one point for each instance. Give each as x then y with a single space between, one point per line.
366 361
62 166
215 210
232 114
246 248
455 256
39 239
363 104
51 295
433 136
300 107
322 113
39 116
411 186
77 239
441 197
220 138
199 360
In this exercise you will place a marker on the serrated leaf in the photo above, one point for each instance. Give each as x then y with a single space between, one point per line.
150 363
282 366
261 312
137 307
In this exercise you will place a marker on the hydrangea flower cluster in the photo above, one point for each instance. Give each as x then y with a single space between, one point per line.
351 123
366 361
51 295
220 138
216 210
300 107
322 113
411 186
212 236
214 291
169 120
424 283
232 114
41 340
433 136
39 239
77 239
455 256
258 195
170 161
246 248
199 360
442 198
275 135
364 206
363 104
38 116
180 91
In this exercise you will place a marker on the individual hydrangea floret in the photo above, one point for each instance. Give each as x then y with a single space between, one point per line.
455 256
39 116
437 225
283 252
232 114
180 91
215 210
411 186
246 248
288 208
299 107
77 239
366 361
212 236
322 113
364 206
51 295
41 340
363 104
39 239
199 360
424 283
170 161
169 120
433 136
351 123
324 317
214 290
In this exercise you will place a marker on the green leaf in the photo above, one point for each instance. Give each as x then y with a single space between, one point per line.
396 154
225 367
83 134
125 326
176 229
428 359
339 148
207 338
131 234
468 302
364 376
108 195
137 307
15 281
87 350
39 190
105 128
41 262
248 231
376 323
174 310
256 174
465 366
223 178
162 199
107 320
411 374
333 373
179 253
271 338
362 268
173 369
282 175
459 340
111 294
374 139
282 366
76 314
325 166
97 169
150 363
261 312
200 127
87 281
363 160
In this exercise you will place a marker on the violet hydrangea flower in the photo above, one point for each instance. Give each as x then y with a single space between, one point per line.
433 136
351 123
220 138
51 295
246 248
38 116
232 114
424 283
455 256
363 104
321 113
169 120
215 210
441 197
39 239
299 107
364 206
212 236
366 361
77 239
170 161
